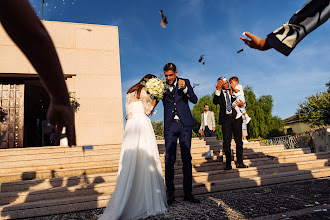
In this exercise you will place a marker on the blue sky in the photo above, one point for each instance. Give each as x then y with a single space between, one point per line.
210 27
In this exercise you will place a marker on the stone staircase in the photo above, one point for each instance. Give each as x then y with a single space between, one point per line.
50 180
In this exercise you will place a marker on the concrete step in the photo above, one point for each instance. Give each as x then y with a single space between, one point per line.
216 172
112 166
29 168
5 153
97 200
51 149
49 207
79 156
56 193
106 183
42 184
218 149
67 172
247 153
274 169
46 152
259 180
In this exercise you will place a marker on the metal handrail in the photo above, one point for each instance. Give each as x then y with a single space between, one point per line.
289 141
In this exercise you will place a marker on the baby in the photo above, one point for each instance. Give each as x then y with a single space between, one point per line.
237 92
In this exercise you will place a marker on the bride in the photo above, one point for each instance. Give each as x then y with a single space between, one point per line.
140 189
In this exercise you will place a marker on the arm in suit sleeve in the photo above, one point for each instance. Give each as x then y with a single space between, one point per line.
213 120
190 92
201 127
216 98
313 14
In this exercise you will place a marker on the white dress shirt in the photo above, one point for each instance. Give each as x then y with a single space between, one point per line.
205 118
217 93
184 91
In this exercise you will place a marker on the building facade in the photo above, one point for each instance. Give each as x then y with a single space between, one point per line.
293 125
89 55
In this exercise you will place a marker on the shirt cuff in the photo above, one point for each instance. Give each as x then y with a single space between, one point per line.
217 92
185 90
275 43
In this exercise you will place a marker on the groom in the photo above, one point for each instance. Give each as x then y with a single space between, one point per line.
178 123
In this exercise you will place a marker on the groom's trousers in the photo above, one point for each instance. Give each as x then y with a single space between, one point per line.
172 133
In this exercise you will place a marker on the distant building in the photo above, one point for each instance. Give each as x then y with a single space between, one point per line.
293 125
90 58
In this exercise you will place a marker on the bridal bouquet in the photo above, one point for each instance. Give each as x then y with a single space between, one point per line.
155 87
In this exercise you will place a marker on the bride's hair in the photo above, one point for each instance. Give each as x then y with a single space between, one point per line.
138 87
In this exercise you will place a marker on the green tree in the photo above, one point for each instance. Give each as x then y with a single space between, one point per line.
264 106
198 109
316 109
158 127
251 109
276 128
263 124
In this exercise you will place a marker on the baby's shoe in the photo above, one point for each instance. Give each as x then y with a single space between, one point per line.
239 114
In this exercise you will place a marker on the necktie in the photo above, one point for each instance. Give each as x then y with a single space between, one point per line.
228 102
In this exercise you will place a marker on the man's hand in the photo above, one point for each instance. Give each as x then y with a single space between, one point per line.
219 85
213 129
61 115
182 83
256 42
240 103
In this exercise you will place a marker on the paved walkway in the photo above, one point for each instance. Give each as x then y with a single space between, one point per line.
298 200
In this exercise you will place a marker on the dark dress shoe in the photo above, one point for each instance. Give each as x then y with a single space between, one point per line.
228 167
170 199
191 198
242 165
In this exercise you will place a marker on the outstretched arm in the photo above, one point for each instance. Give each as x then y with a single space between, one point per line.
24 27
313 14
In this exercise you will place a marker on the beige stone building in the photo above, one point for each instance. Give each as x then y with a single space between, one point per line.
90 59
293 125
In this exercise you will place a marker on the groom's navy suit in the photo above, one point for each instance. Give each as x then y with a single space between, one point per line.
176 103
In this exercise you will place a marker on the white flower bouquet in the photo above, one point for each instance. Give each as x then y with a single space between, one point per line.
156 87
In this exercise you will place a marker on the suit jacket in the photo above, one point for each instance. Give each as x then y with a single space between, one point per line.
313 14
180 102
220 100
210 121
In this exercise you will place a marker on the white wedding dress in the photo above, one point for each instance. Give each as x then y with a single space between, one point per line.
140 189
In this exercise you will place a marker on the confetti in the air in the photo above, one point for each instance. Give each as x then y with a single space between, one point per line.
164 22
201 58
241 50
